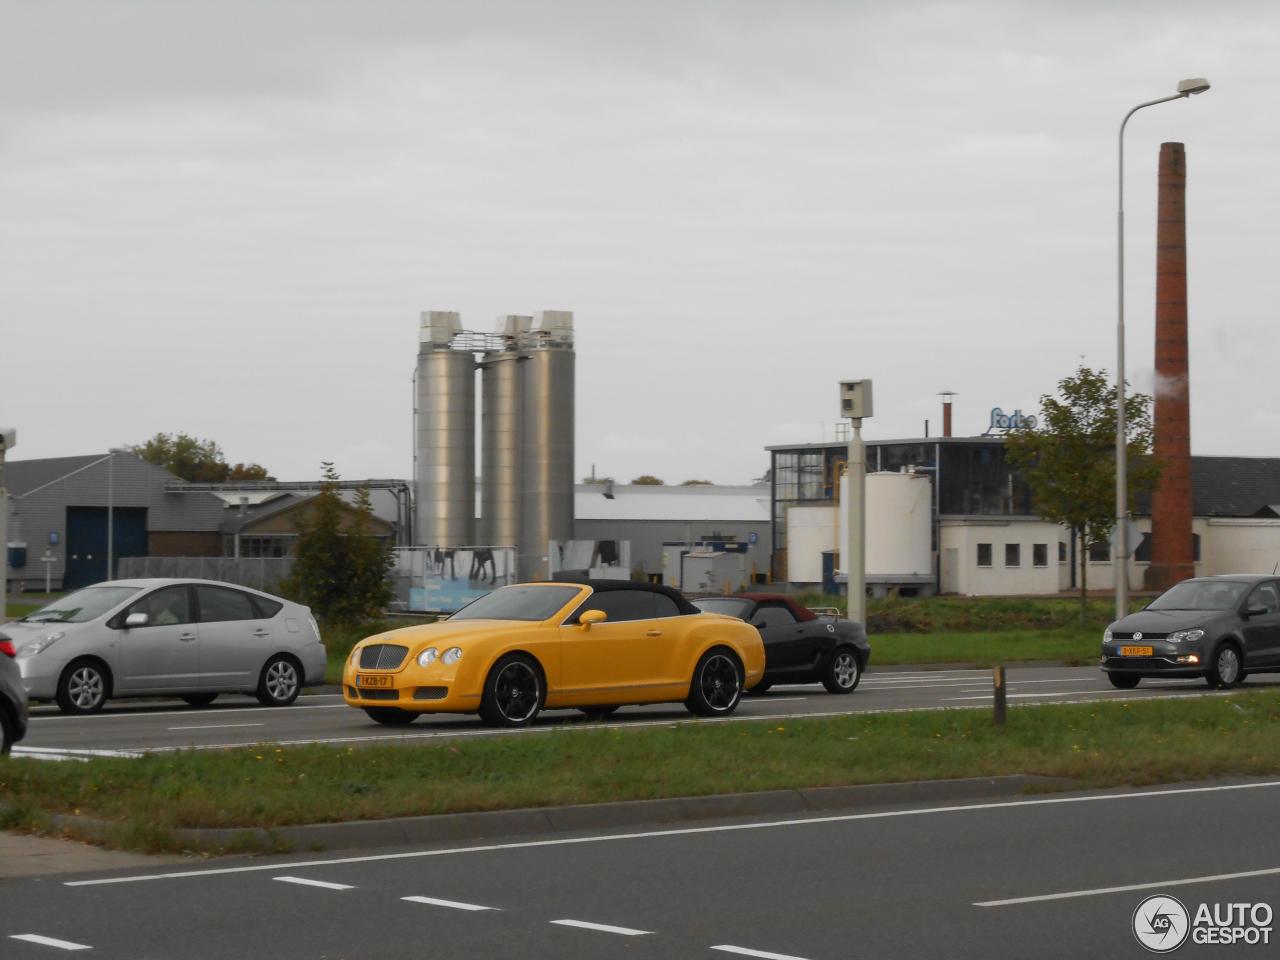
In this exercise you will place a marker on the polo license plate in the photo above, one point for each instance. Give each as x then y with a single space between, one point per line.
1136 651
365 680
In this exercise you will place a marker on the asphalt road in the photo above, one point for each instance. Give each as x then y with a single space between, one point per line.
910 882
134 725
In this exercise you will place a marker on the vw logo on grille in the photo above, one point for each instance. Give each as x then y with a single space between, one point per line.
1138 635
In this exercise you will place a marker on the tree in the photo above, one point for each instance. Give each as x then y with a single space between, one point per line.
1068 460
340 570
594 479
696 483
196 460
648 480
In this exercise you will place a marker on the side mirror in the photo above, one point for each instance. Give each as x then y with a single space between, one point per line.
1254 611
591 617
136 620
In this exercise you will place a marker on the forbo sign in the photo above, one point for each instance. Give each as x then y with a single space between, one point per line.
1010 421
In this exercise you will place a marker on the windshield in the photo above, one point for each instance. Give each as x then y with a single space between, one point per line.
727 605
1200 595
520 602
81 606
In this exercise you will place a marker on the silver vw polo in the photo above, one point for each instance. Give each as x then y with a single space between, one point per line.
193 639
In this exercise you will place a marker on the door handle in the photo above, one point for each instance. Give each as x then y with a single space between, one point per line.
653 633
186 637
261 633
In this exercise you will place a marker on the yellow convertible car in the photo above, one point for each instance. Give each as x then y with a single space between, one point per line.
594 645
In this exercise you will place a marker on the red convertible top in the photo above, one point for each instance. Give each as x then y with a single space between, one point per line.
801 614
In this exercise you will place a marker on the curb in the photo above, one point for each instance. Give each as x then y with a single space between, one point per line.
540 821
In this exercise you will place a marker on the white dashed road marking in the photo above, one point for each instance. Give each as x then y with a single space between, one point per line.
602 927
218 726
50 942
453 904
314 883
747 952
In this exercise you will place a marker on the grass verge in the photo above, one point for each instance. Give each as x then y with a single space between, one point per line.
1073 645
1094 745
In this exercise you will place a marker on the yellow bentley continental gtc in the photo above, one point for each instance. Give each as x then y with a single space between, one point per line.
594 645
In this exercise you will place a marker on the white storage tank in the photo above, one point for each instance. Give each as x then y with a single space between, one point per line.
899 525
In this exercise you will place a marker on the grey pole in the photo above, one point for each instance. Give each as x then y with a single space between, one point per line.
111 509
1121 560
8 438
856 505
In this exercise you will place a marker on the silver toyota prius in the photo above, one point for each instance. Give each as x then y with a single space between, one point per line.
192 639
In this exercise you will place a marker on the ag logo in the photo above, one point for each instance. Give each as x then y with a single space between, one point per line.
1161 924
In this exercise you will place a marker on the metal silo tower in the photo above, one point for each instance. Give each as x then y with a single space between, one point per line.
444 435
500 371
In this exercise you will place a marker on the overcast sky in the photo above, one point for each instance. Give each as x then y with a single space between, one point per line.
224 218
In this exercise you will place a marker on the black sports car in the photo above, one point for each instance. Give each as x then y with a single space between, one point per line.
800 646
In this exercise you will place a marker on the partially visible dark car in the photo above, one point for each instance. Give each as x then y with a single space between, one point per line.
800 646
13 698
1220 628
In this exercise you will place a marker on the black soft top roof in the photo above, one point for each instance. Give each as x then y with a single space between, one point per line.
605 586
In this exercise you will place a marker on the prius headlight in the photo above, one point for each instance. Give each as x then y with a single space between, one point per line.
452 655
428 656
1184 636
41 643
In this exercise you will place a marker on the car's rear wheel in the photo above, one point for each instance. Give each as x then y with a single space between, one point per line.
843 672
7 732
598 713
1123 681
200 699
716 689
83 687
280 682
391 716
513 692
1224 668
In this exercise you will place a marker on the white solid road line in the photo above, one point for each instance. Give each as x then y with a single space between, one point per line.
679 832
1128 887
747 952
315 883
1033 696
229 710
218 726
602 927
454 904
50 942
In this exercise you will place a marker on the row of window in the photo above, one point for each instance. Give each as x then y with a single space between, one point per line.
170 606
1013 554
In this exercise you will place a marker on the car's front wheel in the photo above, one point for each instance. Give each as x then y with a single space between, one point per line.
7 732
280 682
1123 681
843 672
513 692
83 687
716 689
391 716
1224 669
200 699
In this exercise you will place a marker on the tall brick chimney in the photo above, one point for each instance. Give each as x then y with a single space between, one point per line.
1171 553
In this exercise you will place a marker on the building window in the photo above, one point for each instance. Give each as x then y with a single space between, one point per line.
1013 554
1142 553
1062 552
984 554
1100 552
1039 554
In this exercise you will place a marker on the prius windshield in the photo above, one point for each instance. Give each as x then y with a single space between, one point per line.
520 602
1201 595
81 606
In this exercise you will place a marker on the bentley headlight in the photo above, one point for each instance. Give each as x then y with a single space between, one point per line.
427 656
452 655
40 643
1186 636
1106 635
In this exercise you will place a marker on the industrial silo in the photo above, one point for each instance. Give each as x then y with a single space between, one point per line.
444 436
500 436
546 441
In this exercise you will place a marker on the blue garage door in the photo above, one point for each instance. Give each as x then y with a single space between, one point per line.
87 541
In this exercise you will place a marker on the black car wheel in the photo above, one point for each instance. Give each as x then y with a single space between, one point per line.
391 716
717 684
1224 669
280 682
1123 681
598 713
513 692
200 699
83 687
843 672
7 732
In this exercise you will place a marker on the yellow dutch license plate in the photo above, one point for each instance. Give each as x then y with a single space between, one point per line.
365 680
1136 651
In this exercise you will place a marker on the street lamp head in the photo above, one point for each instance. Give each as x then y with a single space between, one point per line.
1195 85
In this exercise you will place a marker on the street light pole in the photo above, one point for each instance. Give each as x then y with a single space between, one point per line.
1121 561
111 508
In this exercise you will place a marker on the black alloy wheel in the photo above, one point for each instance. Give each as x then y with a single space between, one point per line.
7 732
280 682
83 687
1123 681
513 692
1225 667
200 699
717 684
391 716
843 672
598 713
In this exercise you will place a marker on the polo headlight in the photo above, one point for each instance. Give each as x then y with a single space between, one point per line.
40 644
1185 636
1106 635
452 655
428 656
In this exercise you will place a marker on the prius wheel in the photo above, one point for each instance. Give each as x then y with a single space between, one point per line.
598 713
1123 681
513 692
717 684
279 684
1224 669
843 673
200 699
83 687
391 716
